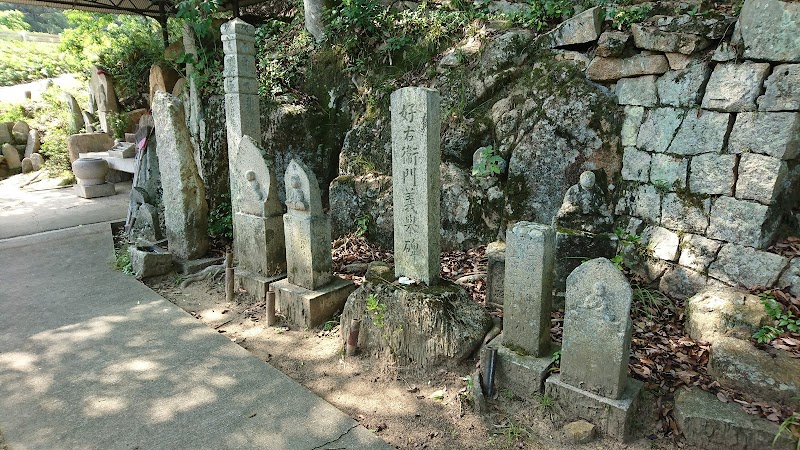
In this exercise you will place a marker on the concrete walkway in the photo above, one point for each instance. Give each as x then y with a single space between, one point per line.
92 359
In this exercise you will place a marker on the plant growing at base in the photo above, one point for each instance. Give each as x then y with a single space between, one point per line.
784 320
122 261
624 239
362 224
488 163
376 309
792 426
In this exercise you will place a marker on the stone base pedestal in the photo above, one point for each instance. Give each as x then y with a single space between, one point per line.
97 190
522 374
149 263
255 285
303 307
612 417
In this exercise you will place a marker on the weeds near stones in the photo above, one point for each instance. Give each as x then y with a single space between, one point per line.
545 401
488 164
648 302
513 435
785 320
362 224
624 239
122 261
220 219
623 17
792 426
555 362
661 186
376 309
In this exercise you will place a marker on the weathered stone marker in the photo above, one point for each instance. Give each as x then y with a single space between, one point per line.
307 228
185 208
530 250
310 294
416 182
258 234
524 349
593 383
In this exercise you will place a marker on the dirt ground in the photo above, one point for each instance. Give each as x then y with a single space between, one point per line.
432 411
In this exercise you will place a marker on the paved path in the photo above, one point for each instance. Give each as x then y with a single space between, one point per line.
92 359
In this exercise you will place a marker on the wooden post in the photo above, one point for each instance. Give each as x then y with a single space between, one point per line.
352 337
270 308
228 276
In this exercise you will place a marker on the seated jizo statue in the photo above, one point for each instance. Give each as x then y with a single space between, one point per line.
585 207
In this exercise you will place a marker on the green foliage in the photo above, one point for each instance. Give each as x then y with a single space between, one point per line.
118 122
362 224
624 240
11 112
25 61
541 14
784 320
622 17
124 46
122 261
555 362
220 219
13 20
284 53
466 393
376 309
41 19
661 186
331 324
792 426
207 62
648 302
488 164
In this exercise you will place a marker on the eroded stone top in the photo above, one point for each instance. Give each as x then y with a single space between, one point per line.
302 190
256 182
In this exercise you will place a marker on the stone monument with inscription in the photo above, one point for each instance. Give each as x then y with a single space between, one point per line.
524 349
258 234
310 294
593 383
416 182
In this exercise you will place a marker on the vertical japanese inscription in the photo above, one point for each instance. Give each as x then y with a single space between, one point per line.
416 183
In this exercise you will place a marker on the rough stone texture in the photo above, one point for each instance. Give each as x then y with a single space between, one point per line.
416 182
162 79
681 282
26 165
95 190
651 38
580 29
697 252
659 129
717 312
495 272
579 432
184 198
682 88
75 112
643 201
669 171
712 174
737 364
782 89
352 197
769 30
5 134
11 156
661 242
635 165
307 230
313 13
612 43
630 127
20 132
678 61
707 423
711 28
737 265
146 263
725 53
37 161
33 144
700 132
741 222
515 370
259 239
612 69
761 178
774 134
735 87
597 329
447 325
791 277
612 417
680 215
88 143
572 248
310 308
527 297
639 91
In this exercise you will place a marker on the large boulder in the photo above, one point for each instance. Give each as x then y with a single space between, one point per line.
716 312
88 143
769 30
